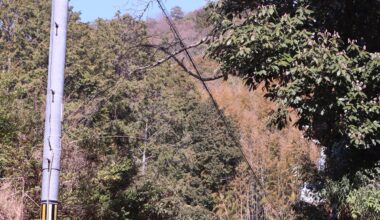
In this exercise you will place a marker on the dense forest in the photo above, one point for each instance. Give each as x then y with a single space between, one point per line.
297 82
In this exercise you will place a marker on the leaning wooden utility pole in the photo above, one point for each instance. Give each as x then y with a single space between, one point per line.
54 111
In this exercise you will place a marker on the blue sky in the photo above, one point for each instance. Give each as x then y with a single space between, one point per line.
92 9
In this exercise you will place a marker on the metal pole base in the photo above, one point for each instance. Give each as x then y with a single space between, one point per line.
49 211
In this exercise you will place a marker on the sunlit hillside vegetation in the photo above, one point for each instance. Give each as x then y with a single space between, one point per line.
282 159
137 144
143 140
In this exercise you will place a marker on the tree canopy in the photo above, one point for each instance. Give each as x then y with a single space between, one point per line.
176 13
144 143
136 144
311 58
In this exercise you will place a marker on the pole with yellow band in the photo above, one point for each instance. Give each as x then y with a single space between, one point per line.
49 212
54 111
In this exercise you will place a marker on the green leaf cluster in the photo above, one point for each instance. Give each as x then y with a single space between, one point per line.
332 83
136 145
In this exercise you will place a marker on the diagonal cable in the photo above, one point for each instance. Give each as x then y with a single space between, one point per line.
221 114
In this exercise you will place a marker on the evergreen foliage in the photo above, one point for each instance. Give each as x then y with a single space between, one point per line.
331 82
136 145
144 145
176 13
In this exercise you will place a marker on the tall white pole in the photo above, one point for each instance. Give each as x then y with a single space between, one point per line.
54 111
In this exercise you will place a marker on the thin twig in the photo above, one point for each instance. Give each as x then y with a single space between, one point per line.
173 55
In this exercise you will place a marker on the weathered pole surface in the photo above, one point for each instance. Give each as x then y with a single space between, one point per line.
54 111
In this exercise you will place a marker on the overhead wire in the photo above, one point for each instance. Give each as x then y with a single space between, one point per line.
208 91
213 100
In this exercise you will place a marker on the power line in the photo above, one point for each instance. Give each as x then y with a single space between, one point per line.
215 104
183 45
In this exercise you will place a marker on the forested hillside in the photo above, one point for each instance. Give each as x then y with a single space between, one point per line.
137 144
319 59
142 139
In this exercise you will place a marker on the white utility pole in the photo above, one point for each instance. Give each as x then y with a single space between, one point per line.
54 111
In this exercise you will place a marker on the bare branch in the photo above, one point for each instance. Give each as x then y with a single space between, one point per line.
173 55
184 68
